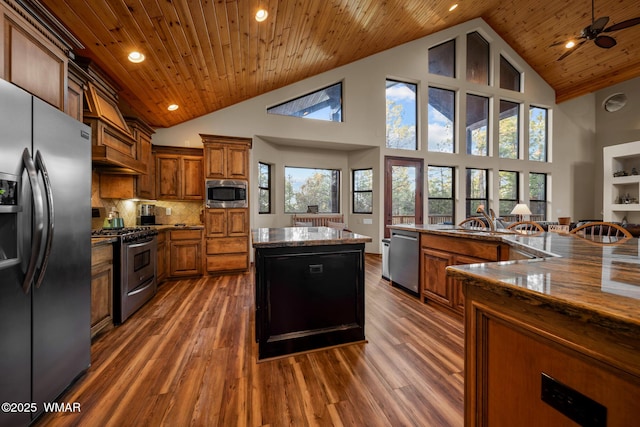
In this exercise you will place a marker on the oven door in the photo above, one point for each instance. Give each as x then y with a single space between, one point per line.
139 275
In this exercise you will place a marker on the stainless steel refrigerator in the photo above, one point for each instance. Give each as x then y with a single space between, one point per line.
45 253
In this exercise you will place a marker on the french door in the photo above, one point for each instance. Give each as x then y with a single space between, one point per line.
403 192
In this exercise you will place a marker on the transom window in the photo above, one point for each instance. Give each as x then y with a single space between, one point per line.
324 104
442 59
477 59
510 78
304 187
402 113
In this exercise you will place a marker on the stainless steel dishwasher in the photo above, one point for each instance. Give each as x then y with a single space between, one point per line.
404 257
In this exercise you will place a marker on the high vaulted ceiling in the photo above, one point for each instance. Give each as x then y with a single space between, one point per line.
206 55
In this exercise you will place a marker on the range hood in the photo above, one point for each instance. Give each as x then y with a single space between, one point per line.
114 149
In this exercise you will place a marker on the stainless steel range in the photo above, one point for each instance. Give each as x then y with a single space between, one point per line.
135 268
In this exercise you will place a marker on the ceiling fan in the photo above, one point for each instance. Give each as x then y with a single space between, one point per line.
595 30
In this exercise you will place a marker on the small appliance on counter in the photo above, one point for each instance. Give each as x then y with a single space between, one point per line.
146 214
113 220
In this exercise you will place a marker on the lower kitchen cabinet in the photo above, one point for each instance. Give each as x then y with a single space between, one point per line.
185 253
227 240
439 252
101 288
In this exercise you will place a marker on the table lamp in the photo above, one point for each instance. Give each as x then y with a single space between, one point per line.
520 210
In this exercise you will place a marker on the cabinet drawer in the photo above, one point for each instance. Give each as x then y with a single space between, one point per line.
227 245
227 262
186 234
101 254
490 251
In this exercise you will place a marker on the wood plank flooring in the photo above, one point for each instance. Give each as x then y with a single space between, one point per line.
189 358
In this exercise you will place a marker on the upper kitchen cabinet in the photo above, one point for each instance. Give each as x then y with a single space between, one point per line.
227 157
179 173
142 133
34 51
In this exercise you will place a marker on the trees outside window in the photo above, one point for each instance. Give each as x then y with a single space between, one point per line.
441 191
307 187
538 194
441 120
508 192
264 188
509 130
363 191
402 113
477 190
538 134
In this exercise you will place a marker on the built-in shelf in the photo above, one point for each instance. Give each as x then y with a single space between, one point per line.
619 158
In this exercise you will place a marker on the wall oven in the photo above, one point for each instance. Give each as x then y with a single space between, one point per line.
226 193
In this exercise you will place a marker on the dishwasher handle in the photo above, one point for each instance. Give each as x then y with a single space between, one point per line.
402 236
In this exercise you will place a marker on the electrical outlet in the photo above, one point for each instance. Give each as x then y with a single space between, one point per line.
367 221
168 211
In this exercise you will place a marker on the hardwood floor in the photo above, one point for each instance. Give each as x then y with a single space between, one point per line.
189 358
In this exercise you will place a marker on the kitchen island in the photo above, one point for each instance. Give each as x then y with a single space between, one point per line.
309 288
551 340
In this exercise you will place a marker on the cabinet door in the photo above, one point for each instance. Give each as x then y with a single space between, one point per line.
185 258
162 258
145 185
456 285
192 178
237 162
167 177
216 166
237 222
215 222
435 283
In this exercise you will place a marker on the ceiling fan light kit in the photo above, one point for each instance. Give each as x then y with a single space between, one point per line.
595 30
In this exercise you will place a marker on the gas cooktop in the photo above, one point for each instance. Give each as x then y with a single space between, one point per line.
126 233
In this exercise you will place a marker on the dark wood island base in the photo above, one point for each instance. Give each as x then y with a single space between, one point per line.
309 290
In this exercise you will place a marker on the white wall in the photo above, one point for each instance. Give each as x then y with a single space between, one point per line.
359 141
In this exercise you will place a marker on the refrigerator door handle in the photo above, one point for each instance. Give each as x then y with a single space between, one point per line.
50 224
38 225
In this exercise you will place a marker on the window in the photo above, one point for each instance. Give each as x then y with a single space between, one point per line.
477 59
264 188
538 134
509 130
324 104
538 195
477 190
305 187
442 59
441 120
509 76
402 112
440 190
477 125
363 191
508 191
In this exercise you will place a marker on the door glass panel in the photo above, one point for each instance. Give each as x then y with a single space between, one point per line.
403 200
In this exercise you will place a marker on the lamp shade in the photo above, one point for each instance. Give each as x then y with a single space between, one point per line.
521 209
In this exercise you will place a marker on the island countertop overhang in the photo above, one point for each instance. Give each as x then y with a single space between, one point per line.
304 236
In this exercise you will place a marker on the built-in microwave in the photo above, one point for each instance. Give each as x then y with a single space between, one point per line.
226 193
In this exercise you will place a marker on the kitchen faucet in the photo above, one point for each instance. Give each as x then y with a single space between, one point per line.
490 218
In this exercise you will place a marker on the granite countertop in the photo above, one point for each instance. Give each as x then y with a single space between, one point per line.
595 282
304 236
165 227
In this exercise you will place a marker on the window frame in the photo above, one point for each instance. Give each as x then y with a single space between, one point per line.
453 121
336 184
355 192
435 48
468 132
415 115
453 192
518 125
539 202
514 201
267 188
340 84
469 200
546 135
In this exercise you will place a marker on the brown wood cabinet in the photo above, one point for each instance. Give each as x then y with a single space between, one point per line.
162 256
514 344
227 230
185 253
227 240
438 252
226 157
179 173
101 288
142 133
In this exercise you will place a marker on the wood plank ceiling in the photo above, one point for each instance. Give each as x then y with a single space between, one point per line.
206 55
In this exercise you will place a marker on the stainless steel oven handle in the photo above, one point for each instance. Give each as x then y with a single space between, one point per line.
138 243
38 226
50 224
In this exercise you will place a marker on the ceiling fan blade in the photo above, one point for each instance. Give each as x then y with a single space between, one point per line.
570 51
622 25
599 24
605 42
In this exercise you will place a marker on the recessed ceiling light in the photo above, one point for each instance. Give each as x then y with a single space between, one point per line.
570 44
454 7
261 15
136 57
172 107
